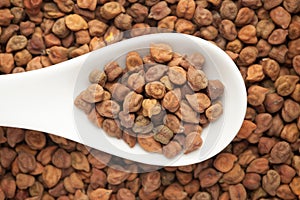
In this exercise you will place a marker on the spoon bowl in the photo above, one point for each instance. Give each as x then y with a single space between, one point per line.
43 99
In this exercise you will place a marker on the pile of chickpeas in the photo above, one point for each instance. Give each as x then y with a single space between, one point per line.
160 101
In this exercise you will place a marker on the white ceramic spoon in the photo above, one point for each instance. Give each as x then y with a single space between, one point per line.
43 99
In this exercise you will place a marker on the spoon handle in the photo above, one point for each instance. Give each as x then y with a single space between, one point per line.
41 100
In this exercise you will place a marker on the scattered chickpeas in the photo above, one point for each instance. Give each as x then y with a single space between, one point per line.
186 9
6 62
262 162
60 29
16 43
75 22
159 10
110 10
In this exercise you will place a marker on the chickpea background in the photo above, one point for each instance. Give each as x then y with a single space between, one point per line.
255 165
